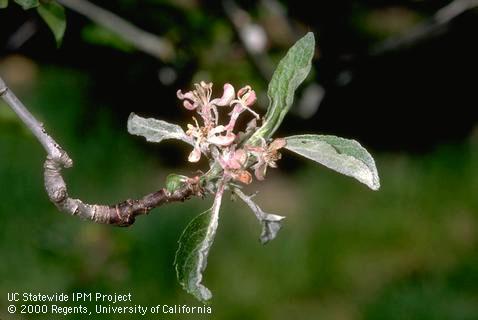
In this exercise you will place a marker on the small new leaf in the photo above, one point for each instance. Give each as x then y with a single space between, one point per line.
289 74
3 4
342 155
194 244
28 4
174 182
156 130
54 16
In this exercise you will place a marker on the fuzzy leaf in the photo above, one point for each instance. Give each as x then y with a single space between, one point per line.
194 244
54 16
3 4
271 224
289 74
156 130
28 4
342 155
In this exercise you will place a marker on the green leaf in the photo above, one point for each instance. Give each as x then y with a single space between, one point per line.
99 35
342 155
194 245
54 16
156 130
289 74
3 4
28 4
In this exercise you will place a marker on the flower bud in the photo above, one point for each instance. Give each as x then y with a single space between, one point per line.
175 182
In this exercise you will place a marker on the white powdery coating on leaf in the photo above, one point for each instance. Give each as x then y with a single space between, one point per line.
342 155
197 250
206 245
156 130
289 74
271 223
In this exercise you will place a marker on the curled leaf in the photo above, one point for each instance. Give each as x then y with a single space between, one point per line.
194 245
156 130
342 155
271 223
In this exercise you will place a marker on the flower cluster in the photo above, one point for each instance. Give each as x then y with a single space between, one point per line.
221 142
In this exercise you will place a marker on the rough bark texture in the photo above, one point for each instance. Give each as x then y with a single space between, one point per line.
121 214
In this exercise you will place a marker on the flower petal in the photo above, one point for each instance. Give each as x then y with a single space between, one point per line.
227 96
243 91
260 170
189 106
277 144
222 140
217 130
250 98
195 155
236 159
188 95
240 156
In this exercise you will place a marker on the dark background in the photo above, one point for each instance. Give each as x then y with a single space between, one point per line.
408 251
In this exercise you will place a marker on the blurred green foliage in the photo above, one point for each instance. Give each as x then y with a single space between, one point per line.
406 252
98 35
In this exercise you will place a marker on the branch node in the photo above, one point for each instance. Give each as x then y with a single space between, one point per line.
59 195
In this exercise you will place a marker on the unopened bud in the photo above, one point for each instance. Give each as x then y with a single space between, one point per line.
175 182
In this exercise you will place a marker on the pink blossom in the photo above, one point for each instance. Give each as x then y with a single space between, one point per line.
246 97
266 155
227 96
233 163
221 140
195 155
199 99
188 97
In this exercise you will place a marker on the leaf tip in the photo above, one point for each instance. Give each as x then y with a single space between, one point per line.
131 117
375 186
310 36
54 16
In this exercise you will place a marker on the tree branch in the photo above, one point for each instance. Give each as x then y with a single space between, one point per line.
242 24
427 29
121 214
147 42
51 146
